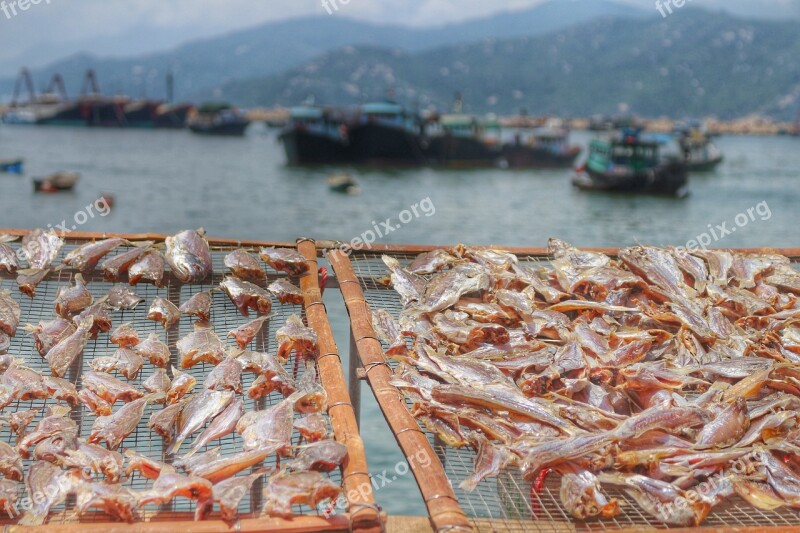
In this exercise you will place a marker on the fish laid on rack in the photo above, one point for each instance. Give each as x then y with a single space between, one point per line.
222 425
270 427
48 486
646 373
284 260
113 429
154 350
125 361
198 306
122 298
228 494
9 496
201 345
182 383
189 256
201 408
320 456
40 248
164 311
304 488
71 300
286 292
225 376
244 266
10 313
244 334
158 382
85 257
96 459
246 296
9 263
102 321
295 337
61 356
149 268
165 421
312 427
271 375
125 336
115 267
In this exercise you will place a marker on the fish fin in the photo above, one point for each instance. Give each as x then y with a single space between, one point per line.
5 238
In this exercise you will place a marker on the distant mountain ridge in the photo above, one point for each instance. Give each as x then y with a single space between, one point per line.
696 64
201 66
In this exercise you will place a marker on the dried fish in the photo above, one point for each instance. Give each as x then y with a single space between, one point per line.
246 296
158 382
322 456
409 286
268 428
229 493
224 424
85 257
114 267
225 376
10 313
40 248
71 300
189 256
8 256
244 266
47 486
61 356
169 485
122 298
110 388
201 345
199 410
198 305
125 336
115 428
285 260
182 383
295 337
29 279
286 292
47 334
117 501
226 467
312 427
125 361
244 334
165 421
304 488
149 268
164 311
153 349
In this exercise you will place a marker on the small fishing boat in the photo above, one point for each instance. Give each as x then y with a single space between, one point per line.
58 182
11 166
219 119
343 183
546 147
629 163
700 154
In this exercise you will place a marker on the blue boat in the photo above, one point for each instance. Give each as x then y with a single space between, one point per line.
11 166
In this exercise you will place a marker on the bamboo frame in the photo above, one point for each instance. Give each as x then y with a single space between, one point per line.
355 473
363 515
443 508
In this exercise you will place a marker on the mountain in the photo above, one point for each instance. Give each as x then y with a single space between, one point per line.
271 48
698 63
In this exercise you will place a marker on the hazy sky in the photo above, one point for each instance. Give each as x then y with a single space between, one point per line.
120 27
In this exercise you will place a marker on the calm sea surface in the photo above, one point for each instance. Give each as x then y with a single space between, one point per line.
165 181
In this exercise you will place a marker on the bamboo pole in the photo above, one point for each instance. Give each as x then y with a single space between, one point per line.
364 512
171 522
443 508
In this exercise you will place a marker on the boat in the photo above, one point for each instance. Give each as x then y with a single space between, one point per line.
316 136
11 166
219 119
60 181
459 140
631 163
385 133
545 147
700 154
172 116
343 183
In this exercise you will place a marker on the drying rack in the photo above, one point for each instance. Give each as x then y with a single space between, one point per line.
361 513
505 503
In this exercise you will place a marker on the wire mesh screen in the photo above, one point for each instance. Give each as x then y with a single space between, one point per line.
509 503
224 317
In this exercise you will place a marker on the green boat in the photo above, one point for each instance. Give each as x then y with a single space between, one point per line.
630 163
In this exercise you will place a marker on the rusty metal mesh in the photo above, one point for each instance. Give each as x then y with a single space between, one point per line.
224 317
506 503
